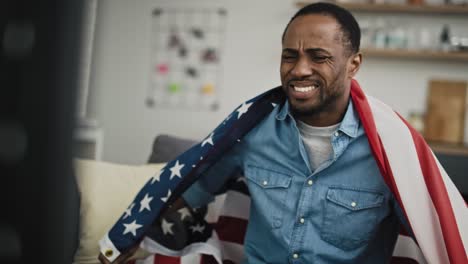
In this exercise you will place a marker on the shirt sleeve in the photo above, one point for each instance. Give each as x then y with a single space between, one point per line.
401 217
202 191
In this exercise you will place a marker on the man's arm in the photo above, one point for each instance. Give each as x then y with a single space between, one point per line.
401 217
202 191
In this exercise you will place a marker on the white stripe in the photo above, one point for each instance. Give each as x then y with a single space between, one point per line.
189 259
148 260
406 247
459 207
106 244
236 205
404 162
214 208
233 251
210 247
191 254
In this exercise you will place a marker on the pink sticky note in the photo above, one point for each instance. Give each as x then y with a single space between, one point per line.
162 68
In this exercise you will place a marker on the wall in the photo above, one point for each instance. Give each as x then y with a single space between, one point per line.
121 62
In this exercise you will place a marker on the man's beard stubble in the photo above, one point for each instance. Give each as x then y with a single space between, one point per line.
325 105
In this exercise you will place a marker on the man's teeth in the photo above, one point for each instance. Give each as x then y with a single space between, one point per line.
304 89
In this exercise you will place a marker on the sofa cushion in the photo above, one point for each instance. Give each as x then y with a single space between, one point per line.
106 190
167 148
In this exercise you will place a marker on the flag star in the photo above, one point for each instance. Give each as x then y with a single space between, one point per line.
128 211
184 212
164 199
157 176
145 203
208 140
274 105
175 171
167 227
131 228
243 109
197 228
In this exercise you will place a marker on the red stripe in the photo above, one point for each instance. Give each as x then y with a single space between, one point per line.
440 199
231 229
363 108
160 259
208 259
403 260
403 232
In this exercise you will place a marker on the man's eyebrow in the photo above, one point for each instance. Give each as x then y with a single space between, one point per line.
311 50
316 50
290 50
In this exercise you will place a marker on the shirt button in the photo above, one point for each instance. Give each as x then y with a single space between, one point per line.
310 182
302 220
337 133
265 183
295 256
353 204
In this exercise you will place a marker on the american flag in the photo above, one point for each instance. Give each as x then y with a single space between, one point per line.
431 203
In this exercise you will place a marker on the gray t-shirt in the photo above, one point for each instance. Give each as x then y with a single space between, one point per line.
317 142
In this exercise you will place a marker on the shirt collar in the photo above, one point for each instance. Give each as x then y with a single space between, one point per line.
283 112
349 125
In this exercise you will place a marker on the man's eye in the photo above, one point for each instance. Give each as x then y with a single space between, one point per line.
320 58
288 57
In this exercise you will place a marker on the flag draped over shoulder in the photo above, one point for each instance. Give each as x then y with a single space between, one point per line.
433 207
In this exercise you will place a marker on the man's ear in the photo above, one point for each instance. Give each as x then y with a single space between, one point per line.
354 64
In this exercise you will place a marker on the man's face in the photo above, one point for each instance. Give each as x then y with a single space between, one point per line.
315 66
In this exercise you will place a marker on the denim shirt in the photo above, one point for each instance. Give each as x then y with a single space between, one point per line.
342 212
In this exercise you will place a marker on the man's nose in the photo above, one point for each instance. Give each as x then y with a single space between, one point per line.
302 68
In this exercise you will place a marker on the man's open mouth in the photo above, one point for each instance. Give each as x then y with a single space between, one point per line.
304 90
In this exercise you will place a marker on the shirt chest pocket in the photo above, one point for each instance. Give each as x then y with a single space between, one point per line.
351 216
269 190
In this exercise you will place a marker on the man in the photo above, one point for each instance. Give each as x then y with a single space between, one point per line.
317 192
308 163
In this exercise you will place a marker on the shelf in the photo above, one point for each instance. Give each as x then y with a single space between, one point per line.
396 8
409 54
449 149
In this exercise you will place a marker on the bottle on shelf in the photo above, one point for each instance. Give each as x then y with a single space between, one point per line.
396 36
380 34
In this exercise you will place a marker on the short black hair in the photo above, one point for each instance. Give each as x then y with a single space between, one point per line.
349 25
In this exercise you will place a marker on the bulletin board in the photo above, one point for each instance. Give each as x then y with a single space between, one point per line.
186 57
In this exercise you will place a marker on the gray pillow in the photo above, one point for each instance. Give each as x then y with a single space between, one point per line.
167 148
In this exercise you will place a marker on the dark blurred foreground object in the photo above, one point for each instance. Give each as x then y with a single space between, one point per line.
456 166
39 49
